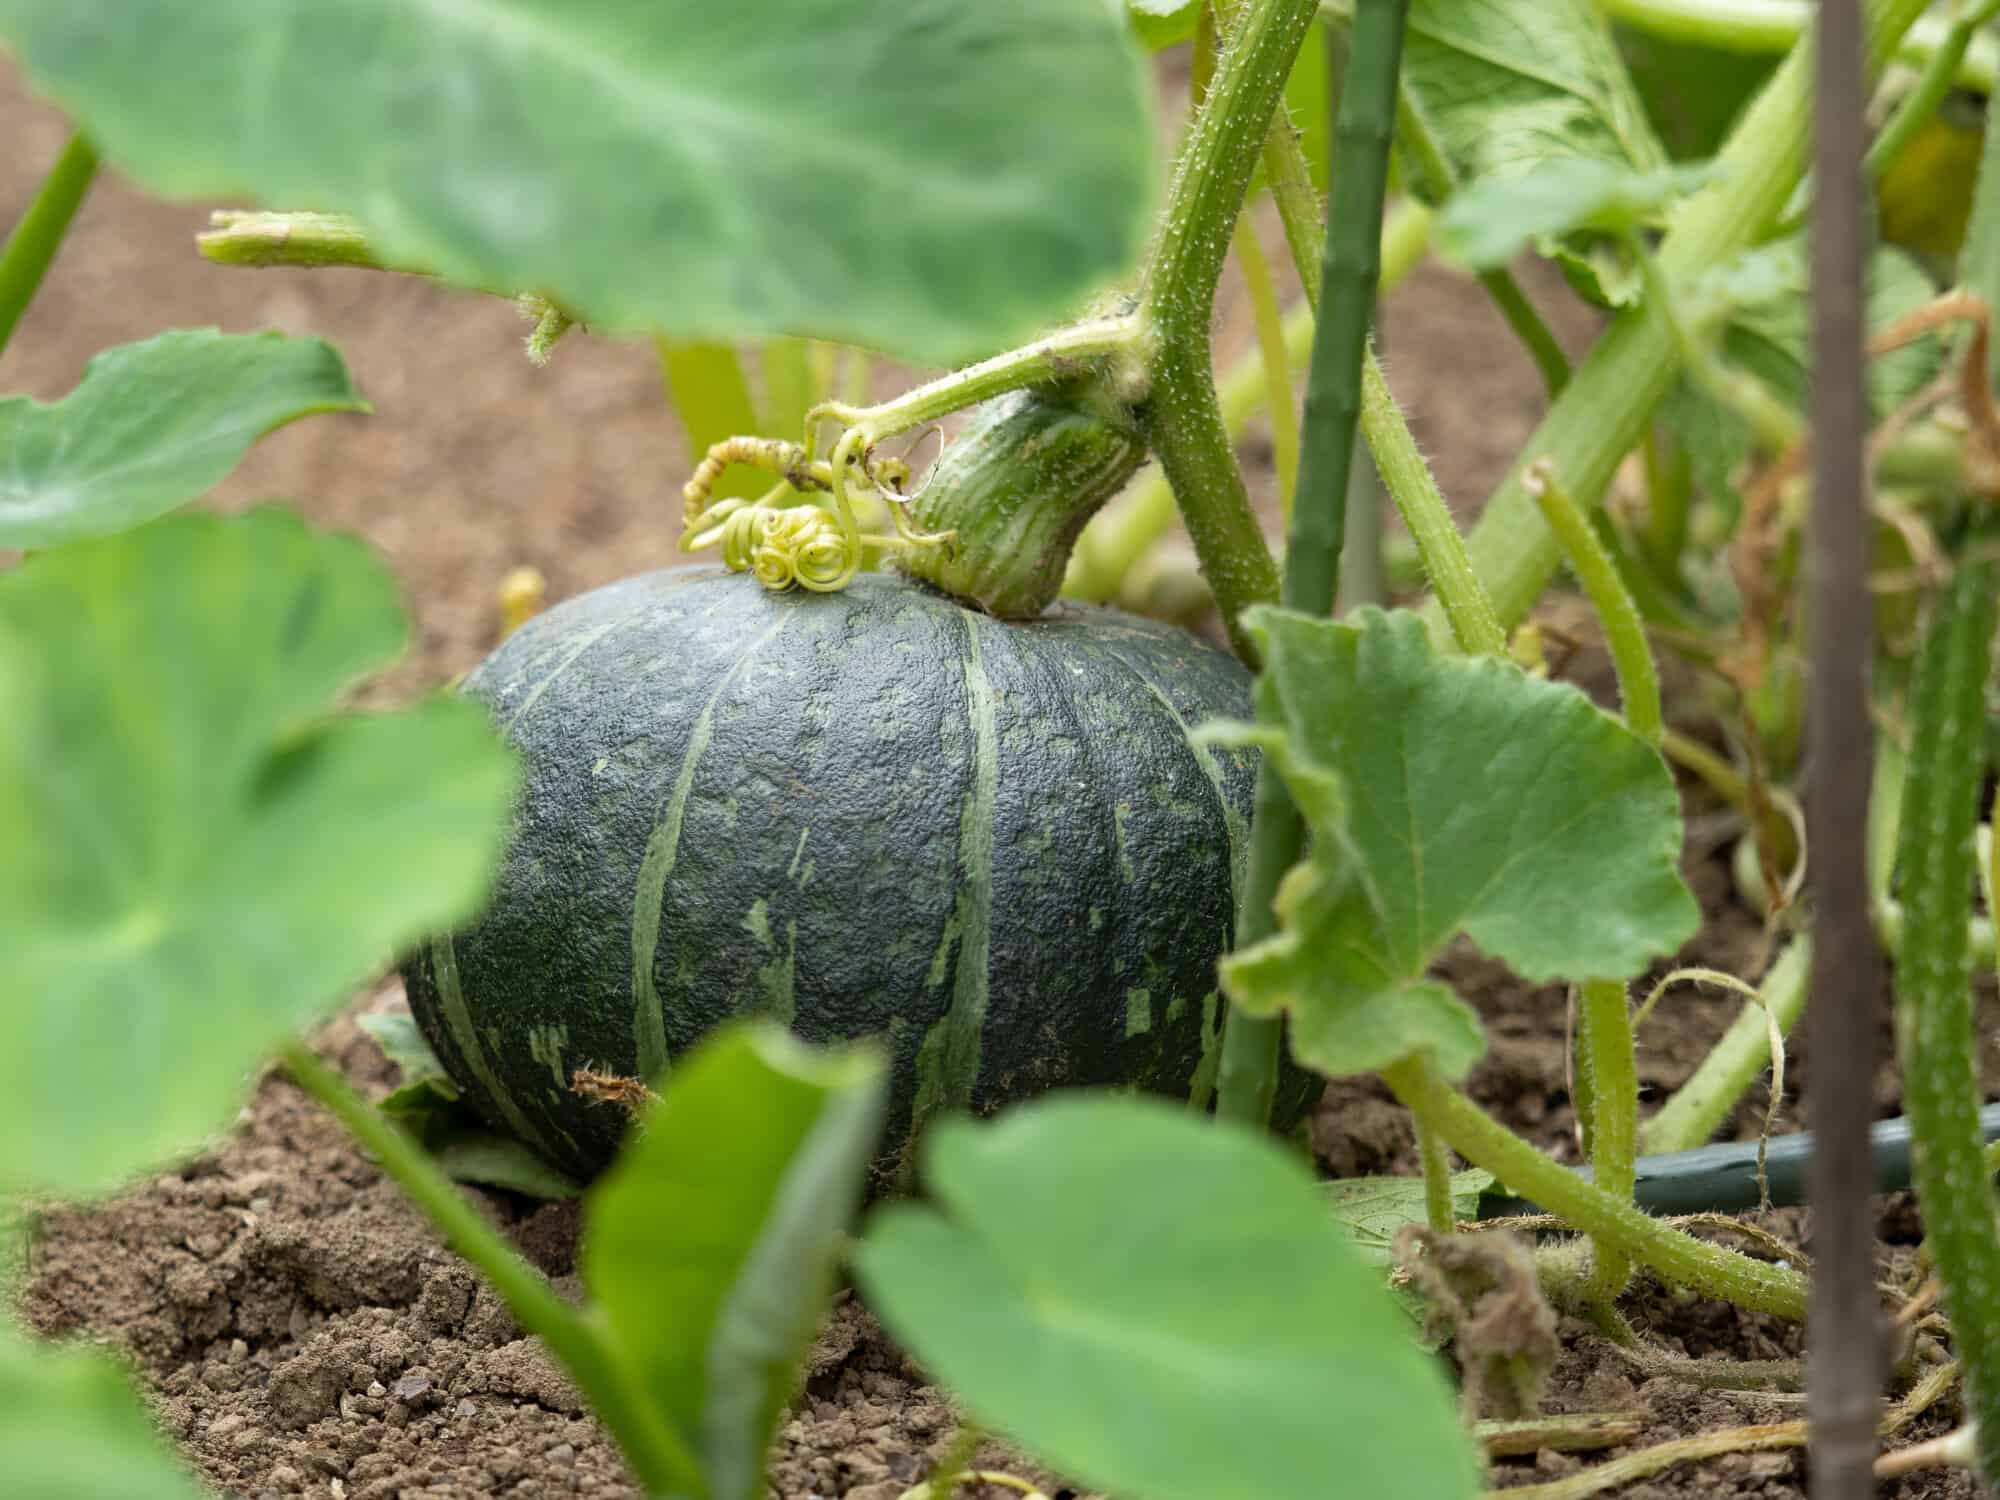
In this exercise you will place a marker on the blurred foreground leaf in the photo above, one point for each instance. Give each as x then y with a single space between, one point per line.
197 855
932 177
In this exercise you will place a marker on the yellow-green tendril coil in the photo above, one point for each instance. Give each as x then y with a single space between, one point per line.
799 547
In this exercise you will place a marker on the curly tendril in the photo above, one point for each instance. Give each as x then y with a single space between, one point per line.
799 547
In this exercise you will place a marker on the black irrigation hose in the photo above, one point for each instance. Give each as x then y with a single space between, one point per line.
1723 1179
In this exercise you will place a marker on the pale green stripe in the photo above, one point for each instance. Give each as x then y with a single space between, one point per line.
948 1061
649 1021
590 638
451 995
1237 824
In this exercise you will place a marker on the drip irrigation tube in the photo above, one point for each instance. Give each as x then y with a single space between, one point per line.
1723 1179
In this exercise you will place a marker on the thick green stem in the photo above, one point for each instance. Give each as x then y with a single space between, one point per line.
1348 277
1195 455
33 242
1184 422
1724 25
1601 415
1605 1052
1527 1172
1934 1021
659 1455
1698 1107
1279 404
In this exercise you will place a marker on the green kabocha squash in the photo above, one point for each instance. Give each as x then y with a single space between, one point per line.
875 812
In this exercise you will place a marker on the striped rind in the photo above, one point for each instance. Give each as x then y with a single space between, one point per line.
872 813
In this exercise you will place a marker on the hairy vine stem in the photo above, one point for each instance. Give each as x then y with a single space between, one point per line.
1680 1258
1182 417
25 258
1405 475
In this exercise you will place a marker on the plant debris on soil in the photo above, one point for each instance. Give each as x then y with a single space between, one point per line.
297 1324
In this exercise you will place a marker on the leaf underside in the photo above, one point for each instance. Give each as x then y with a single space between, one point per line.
933 178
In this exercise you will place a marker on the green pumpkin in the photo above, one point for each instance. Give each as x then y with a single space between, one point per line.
875 813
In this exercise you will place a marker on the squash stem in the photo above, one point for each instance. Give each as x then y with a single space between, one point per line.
1934 1022
659 1455
1407 478
1677 1257
1753 26
35 239
1351 265
1921 103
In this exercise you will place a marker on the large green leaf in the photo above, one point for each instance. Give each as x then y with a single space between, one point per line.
933 177
70 1426
711 1244
1161 1307
151 426
196 856
1505 85
1475 799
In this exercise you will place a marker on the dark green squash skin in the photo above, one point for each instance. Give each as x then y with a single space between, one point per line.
870 813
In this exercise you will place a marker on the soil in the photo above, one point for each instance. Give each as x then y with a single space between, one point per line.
297 1326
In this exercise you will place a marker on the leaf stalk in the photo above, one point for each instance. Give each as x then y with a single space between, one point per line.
33 243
